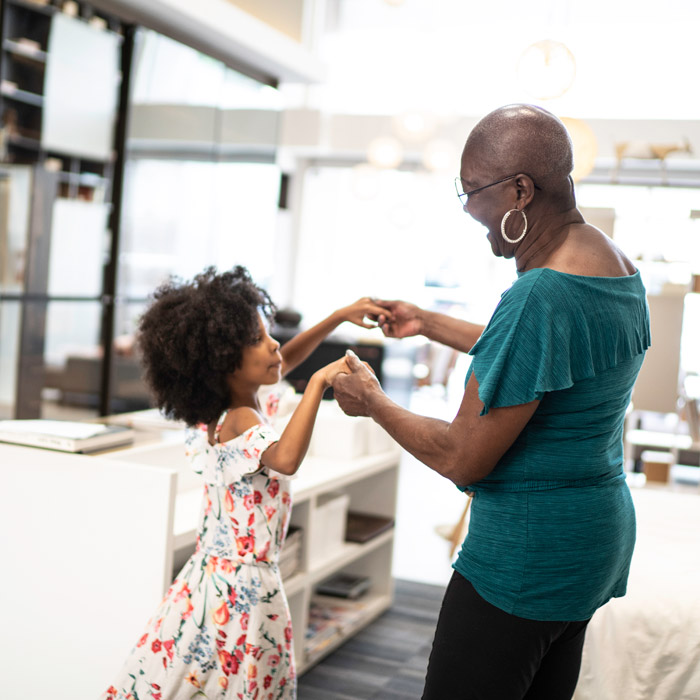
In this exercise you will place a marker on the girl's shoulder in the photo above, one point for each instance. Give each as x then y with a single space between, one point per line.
237 421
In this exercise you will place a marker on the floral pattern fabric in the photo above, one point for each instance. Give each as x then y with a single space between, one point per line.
223 630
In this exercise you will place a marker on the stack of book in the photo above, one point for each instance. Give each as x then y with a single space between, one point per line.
66 436
290 555
330 619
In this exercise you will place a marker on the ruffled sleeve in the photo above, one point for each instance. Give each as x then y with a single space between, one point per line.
549 332
224 463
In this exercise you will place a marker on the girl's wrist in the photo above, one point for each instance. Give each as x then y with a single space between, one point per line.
318 380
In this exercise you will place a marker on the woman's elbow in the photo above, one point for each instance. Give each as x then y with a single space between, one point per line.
463 471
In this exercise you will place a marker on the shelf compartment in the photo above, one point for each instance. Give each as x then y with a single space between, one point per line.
12 92
18 48
348 553
373 606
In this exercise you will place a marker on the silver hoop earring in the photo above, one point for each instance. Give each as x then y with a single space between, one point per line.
503 226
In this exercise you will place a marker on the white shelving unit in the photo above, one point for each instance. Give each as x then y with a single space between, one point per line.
369 482
113 527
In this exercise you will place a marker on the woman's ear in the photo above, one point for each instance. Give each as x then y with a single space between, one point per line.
525 189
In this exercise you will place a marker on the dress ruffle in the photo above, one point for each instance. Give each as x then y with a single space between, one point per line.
552 329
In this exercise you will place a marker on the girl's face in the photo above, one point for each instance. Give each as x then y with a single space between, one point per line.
262 362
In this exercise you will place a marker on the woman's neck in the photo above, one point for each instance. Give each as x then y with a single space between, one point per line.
544 238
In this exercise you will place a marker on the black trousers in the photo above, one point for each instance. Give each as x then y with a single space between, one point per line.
482 653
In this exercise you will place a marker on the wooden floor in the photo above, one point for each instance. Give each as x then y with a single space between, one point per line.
385 661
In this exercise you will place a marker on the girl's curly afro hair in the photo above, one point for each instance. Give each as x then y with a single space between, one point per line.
193 335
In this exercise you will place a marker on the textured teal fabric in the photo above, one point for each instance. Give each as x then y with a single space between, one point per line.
552 527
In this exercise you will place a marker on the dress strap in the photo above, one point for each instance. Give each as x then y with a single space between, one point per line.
219 425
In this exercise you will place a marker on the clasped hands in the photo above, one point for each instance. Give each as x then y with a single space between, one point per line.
356 390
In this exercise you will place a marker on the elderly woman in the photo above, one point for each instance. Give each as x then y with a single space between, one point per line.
538 436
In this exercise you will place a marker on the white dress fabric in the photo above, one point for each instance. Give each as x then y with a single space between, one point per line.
223 630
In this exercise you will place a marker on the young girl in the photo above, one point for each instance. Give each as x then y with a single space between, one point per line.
223 629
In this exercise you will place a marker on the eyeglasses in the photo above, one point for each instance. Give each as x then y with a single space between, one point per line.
464 196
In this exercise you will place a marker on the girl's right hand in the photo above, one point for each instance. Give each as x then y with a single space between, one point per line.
331 371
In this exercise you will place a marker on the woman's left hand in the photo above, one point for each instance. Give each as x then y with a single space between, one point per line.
364 309
353 391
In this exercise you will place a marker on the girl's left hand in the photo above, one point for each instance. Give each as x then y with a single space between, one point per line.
364 309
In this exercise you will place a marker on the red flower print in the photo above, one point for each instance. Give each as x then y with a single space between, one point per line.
156 696
288 633
272 617
273 401
168 646
211 565
247 454
257 497
245 545
251 519
273 660
253 687
223 682
283 682
270 511
273 488
184 591
286 498
226 566
155 647
189 610
238 653
267 681
241 640
221 615
142 641
228 501
229 664
244 621
232 596
248 501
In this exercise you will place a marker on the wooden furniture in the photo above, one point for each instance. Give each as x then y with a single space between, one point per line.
91 543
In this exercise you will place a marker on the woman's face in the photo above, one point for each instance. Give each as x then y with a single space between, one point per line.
261 362
487 206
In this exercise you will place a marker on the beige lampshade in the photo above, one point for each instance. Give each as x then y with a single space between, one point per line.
585 146
385 152
546 69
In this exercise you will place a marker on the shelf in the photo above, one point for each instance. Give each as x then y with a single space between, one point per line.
317 474
18 48
48 10
348 553
375 606
11 92
23 142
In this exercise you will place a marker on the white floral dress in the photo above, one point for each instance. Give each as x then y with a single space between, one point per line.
223 630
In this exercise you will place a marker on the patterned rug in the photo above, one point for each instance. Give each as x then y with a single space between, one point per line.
386 660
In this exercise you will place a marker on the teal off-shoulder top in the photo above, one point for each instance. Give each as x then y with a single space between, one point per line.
552 527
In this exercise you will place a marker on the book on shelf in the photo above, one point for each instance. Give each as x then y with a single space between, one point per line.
362 527
150 418
344 585
66 436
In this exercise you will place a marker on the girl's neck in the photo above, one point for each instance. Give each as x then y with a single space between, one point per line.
244 396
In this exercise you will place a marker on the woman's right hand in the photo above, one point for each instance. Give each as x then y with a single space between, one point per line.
402 320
